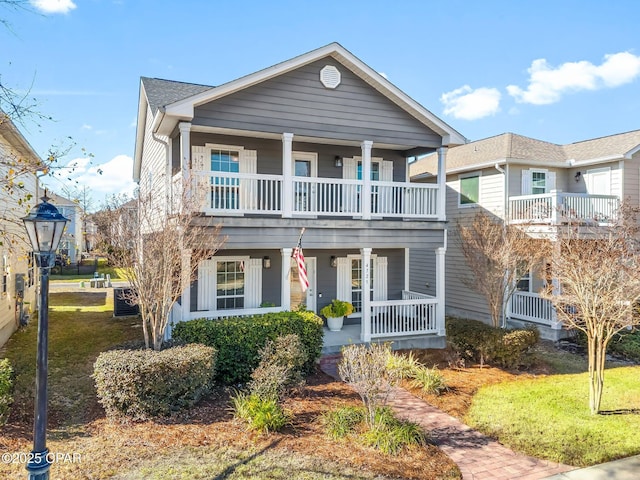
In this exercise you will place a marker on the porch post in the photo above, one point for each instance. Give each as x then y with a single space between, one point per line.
365 327
407 271
185 149
366 179
287 175
442 184
285 298
185 302
440 253
555 285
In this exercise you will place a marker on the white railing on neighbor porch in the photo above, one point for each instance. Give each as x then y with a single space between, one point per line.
250 193
532 307
414 314
561 207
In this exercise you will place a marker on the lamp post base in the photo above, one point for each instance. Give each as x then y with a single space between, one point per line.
38 466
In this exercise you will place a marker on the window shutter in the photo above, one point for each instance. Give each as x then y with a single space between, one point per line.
202 183
349 171
387 171
206 285
253 283
343 281
248 188
551 181
380 278
526 182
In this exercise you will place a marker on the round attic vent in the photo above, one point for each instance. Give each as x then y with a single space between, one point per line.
330 76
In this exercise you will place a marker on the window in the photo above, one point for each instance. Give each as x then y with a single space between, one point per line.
469 189
375 170
31 277
356 283
524 284
229 284
5 274
224 192
538 182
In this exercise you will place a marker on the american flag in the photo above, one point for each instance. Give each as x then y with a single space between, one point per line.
302 269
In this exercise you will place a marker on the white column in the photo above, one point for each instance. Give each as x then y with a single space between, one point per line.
555 285
407 271
185 149
365 327
185 302
442 183
285 299
366 179
440 253
287 175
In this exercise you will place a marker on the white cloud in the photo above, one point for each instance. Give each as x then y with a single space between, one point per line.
548 84
54 6
86 127
468 104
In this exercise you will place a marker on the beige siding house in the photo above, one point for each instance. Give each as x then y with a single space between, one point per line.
17 281
538 185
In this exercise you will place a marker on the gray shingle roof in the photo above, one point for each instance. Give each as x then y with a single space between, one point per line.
517 147
163 92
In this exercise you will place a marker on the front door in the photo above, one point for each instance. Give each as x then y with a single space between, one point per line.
305 165
599 181
298 297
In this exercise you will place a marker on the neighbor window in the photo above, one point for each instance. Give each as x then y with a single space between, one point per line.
469 189
5 274
229 285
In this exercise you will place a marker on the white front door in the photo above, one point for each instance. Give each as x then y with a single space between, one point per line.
298 297
311 276
305 165
599 181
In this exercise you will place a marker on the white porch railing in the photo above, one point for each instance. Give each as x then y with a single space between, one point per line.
533 308
224 193
415 314
560 207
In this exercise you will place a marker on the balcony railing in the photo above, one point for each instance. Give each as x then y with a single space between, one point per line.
563 208
532 307
243 193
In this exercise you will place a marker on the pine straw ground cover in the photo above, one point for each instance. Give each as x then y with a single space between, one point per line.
205 444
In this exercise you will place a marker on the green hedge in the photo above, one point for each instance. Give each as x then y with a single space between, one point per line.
6 389
478 341
238 341
141 384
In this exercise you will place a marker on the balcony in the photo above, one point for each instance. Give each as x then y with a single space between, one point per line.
560 208
238 194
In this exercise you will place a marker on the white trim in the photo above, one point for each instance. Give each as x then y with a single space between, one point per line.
311 157
477 173
632 152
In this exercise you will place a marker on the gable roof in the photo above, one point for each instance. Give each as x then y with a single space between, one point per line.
172 102
16 140
513 148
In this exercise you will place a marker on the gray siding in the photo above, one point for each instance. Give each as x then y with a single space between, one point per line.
297 102
631 176
270 154
422 270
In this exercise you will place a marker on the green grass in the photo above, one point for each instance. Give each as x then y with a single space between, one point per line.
116 274
549 417
81 325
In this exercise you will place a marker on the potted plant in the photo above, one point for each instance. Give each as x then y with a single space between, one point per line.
335 313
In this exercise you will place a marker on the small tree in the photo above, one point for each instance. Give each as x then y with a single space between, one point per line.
498 256
150 242
599 275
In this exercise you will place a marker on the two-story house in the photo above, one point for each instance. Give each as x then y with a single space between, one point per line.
18 279
540 186
72 243
321 142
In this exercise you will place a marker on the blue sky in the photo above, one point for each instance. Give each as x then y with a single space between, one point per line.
560 71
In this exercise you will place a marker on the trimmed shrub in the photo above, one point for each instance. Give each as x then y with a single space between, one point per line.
263 415
480 342
238 340
6 389
141 384
280 368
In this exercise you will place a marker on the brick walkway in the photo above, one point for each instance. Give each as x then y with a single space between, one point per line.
478 457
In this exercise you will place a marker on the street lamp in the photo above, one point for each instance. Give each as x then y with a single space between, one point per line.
44 225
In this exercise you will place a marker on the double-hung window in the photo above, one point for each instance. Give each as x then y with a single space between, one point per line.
469 189
538 182
230 285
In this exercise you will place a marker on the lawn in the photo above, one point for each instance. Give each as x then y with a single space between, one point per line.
549 417
205 443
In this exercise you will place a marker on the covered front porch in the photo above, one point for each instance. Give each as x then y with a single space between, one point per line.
244 283
529 308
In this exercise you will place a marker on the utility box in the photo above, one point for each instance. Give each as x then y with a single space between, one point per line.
120 306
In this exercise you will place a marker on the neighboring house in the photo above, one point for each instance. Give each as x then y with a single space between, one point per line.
539 186
18 279
321 142
72 243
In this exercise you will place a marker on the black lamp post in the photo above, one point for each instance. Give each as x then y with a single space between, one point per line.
44 225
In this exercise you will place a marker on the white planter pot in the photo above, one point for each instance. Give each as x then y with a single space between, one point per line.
335 323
